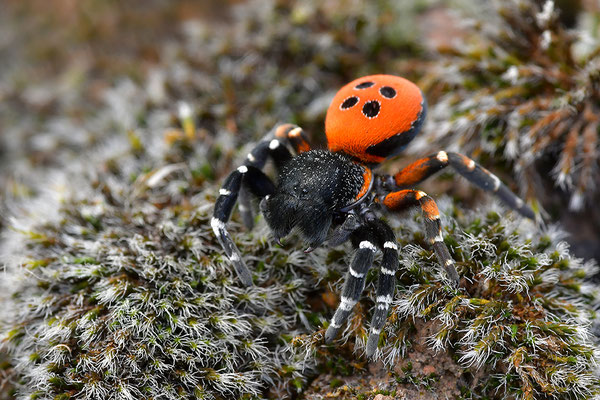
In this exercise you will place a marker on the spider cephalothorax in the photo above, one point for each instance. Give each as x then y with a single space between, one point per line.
313 186
333 195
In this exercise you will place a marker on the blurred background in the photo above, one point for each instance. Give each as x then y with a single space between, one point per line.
245 65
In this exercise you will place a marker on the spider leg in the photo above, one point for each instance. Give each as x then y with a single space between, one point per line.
245 207
385 285
422 169
258 184
295 137
273 144
257 157
269 146
362 240
249 178
404 199
355 279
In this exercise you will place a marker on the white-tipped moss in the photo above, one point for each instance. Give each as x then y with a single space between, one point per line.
127 296
114 286
521 320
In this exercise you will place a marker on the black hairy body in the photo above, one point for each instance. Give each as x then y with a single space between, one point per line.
311 190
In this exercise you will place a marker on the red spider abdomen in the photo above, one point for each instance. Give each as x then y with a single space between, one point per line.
374 117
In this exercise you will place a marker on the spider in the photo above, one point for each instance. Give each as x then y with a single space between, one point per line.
333 195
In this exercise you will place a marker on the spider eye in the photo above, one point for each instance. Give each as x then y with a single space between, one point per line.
364 85
388 92
349 103
371 109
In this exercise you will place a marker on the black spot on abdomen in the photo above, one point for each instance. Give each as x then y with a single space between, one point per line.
387 92
371 109
364 85
349 103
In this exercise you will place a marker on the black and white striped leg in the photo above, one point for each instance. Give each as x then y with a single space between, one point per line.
355 279
249 178
488 181
257 157
385 285
258 184
269 146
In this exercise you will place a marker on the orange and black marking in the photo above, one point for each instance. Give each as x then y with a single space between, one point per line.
421 169
430 209
367 183
374 117
318 191
405 199
365 188
294 135
466 162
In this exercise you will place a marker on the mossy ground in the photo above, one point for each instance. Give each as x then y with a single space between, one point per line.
114 286
124 292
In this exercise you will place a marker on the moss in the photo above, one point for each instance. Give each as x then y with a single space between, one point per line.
125 292
520 315
159 308
521 91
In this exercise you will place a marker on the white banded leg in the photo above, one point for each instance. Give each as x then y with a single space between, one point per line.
488 181
385 285
224 205
433 234
257 157
354 283
258 184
